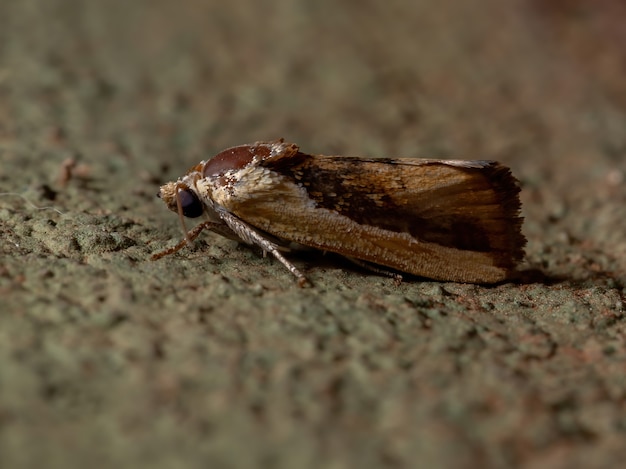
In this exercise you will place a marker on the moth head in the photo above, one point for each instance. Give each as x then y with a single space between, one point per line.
180 198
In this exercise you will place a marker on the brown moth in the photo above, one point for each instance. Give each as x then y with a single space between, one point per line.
447 220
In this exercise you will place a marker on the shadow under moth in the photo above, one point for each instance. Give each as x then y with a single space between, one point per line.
448 220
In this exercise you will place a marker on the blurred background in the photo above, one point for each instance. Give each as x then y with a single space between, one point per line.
411 78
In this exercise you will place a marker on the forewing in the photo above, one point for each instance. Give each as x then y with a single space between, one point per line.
444 220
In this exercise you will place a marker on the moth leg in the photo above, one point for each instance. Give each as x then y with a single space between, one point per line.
251 236
376 269
302 280
191 235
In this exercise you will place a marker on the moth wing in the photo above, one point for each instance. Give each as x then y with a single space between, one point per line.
444 220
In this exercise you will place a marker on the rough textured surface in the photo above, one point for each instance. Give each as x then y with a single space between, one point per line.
213 357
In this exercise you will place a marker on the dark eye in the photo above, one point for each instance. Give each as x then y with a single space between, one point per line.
189 202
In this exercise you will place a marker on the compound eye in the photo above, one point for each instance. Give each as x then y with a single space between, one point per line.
189 202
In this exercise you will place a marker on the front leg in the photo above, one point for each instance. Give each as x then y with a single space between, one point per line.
190 236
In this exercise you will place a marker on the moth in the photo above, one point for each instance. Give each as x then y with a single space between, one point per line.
447 220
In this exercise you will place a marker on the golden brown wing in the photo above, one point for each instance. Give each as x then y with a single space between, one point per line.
444 220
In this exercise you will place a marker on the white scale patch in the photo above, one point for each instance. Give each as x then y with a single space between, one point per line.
251 182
